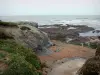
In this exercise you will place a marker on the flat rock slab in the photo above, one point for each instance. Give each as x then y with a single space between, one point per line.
70 67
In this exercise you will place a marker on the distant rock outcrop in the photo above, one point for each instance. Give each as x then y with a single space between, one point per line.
28 23
65 31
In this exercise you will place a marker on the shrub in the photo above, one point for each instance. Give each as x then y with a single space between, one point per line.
2 55
8 24
22 61
25 28
60 37
93 45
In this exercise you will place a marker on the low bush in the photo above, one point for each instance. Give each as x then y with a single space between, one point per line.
90 45
25 28
2 55
8 24
22 61
60 37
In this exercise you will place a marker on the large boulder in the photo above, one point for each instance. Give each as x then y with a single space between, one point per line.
27 35
92 65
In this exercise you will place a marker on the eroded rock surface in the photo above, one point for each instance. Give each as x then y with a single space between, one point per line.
29 36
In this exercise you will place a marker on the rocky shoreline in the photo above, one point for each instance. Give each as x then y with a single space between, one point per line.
65 32
55 53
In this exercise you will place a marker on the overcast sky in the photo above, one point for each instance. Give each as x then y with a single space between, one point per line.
49 7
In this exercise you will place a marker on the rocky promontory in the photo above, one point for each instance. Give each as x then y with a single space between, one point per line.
19 45
26 34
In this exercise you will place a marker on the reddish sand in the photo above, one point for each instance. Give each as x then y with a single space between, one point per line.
67 51
3 66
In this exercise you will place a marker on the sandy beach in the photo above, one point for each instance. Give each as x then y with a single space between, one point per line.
66 59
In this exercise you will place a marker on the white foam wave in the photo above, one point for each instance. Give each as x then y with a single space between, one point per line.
91 23
50 20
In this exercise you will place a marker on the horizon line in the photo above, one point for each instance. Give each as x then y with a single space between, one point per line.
49 15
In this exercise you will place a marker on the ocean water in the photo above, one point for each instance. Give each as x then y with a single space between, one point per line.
91 21
90 33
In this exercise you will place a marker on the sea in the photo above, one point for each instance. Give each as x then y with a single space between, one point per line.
89 20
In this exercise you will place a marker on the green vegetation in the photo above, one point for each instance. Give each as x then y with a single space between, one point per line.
60 37
93 45
20 60
25 28
2 55
8 24
90 45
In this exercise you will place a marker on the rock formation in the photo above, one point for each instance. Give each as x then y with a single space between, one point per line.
27 35
66 31
92 65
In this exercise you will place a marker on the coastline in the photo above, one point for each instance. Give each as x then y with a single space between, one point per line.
58 47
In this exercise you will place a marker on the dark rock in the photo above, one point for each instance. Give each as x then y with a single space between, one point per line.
93 31
99 37
39 47
92 65
79 40
54 44
65 32
96 31
25 28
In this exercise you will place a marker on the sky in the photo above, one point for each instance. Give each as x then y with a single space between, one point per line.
49 7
